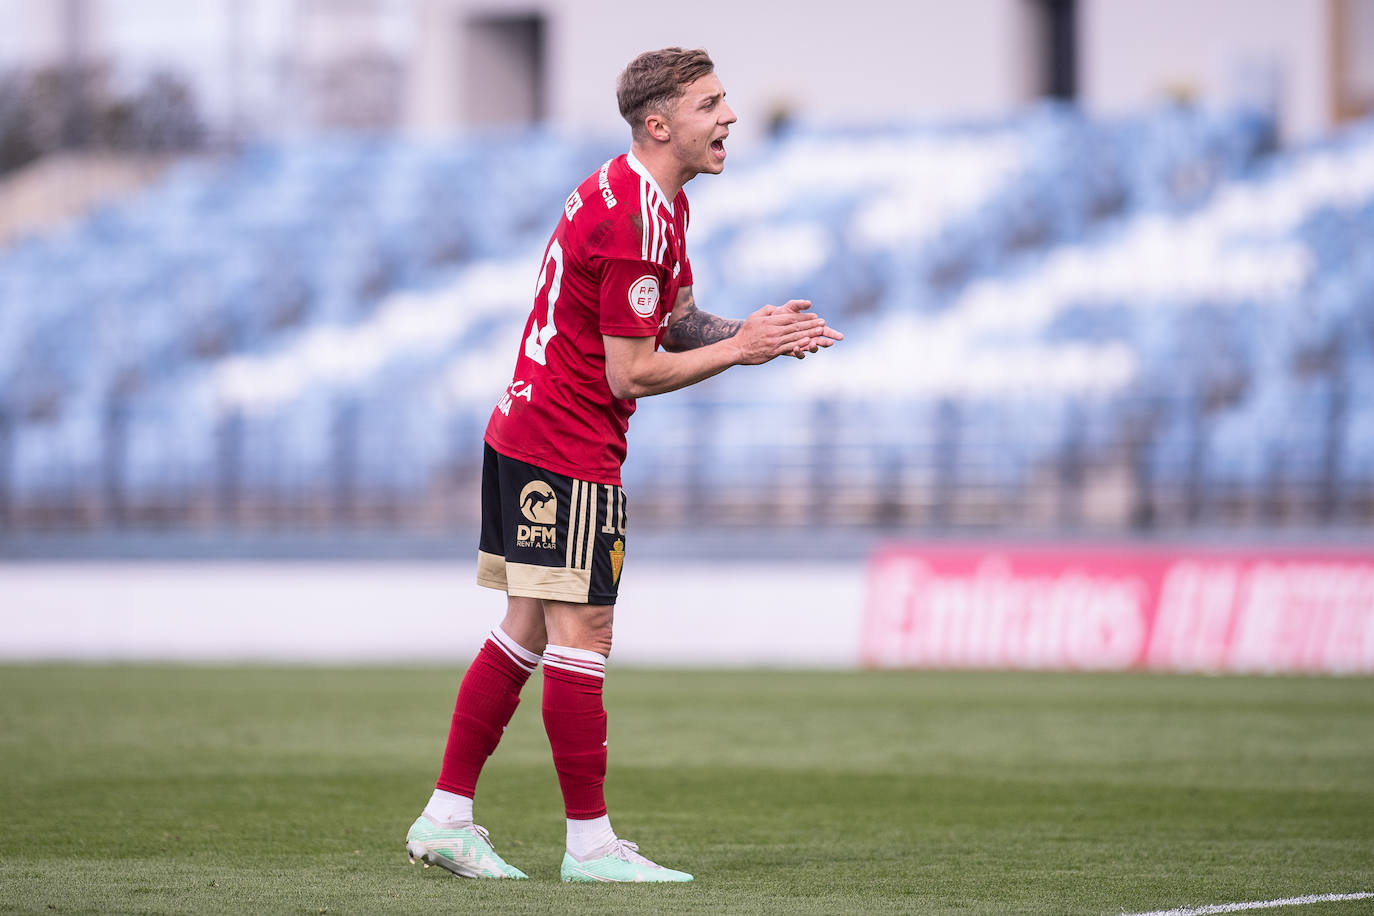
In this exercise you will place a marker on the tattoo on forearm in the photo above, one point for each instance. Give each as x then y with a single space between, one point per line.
697 329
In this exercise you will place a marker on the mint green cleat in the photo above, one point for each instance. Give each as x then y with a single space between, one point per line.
465 850
622 863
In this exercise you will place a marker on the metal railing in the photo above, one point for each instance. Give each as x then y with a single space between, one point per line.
941 465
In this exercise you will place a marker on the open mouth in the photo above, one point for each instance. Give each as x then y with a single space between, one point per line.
718 147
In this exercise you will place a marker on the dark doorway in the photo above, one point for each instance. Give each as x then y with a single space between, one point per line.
1060 49
504 70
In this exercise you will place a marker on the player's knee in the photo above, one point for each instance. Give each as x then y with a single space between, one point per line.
596 630
599 640
524 623
580 626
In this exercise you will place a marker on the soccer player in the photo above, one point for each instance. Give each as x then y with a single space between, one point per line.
615 286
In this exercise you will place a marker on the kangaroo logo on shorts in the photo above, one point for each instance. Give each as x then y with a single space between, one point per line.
539 503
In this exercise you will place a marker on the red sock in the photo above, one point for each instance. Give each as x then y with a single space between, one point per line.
487 698
575 720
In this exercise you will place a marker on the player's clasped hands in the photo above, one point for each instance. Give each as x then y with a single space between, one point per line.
789 329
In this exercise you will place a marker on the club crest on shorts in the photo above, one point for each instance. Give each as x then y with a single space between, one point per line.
644 296
617 559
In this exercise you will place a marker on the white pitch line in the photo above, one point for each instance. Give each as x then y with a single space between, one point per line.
1253 905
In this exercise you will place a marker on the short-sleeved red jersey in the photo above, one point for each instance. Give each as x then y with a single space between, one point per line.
614 266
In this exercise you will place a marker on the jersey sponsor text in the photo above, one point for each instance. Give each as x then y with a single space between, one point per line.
603 181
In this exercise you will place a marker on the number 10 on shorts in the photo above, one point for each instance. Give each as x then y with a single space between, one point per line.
614 522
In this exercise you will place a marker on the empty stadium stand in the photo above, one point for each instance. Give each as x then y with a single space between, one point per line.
1052 322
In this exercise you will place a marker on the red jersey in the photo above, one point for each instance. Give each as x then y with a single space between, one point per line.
614 266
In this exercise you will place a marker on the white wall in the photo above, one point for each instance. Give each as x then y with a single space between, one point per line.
851 62
869 59
687 614
1131 53
32 33
843 62
854 61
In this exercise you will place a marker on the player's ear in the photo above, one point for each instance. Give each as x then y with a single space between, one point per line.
657 126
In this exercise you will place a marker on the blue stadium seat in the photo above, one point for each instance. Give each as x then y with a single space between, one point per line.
1165 284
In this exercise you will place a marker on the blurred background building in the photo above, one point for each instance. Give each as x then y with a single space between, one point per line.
1104 266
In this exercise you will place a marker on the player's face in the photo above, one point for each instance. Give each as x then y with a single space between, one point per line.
700 125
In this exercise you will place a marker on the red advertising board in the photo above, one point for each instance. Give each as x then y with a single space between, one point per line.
1114 609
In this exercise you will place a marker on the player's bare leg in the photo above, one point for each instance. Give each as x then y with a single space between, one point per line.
445 833
524 623
575 718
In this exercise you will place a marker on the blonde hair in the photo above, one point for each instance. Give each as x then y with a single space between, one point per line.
654 80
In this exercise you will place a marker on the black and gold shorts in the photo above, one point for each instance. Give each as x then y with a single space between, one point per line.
547 535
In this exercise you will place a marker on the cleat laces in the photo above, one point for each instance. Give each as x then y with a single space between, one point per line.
485 835
627 851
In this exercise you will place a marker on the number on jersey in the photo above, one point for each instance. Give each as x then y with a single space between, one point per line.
539 338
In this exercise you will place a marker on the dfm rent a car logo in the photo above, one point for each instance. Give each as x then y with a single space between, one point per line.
539 506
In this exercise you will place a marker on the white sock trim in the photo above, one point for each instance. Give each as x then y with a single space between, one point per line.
585 838
518 653
449 808
578 661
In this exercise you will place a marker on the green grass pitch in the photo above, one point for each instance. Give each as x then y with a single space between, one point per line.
273 790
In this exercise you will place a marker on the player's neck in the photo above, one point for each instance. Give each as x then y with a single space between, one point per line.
663 166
